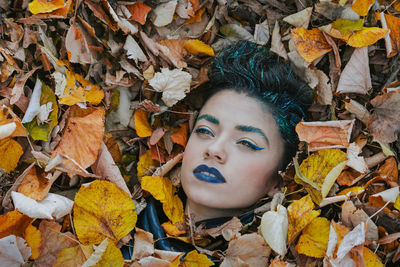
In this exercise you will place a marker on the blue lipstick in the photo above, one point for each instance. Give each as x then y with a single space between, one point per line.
208 174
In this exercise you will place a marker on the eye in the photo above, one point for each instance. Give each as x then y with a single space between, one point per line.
250 145
204 131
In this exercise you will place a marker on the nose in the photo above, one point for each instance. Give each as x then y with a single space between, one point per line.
216 151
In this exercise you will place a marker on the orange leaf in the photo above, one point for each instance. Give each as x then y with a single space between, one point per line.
310 44
197 47
78 142
78 89
361 7
389 171
393 23
45 6
173 229
33 239
300 214
142 126
366 36
180 136
196 17
278 263
10 152
325 134
58 13
13 223
175 52
138 12
34 185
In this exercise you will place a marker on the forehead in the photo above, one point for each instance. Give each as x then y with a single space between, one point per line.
240 109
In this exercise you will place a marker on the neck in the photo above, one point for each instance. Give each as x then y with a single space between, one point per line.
198 212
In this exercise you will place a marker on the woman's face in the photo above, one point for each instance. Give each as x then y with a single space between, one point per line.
232 156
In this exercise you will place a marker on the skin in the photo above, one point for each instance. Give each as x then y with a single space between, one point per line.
229 137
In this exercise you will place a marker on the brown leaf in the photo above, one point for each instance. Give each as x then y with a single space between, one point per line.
144 244
385 121
18 88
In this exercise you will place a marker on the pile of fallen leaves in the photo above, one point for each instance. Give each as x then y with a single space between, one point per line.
94 118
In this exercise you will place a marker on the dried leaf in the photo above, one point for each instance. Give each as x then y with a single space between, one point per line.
13 223
144 163
74 256
274 228
77 46
162 189
105 254
44 6
8 116
300 214
248 250
356 77
79 144
12 253
102 210
163 14
362 6
142 126
311 44
195 259
180 135
174 84
197 47
10 152
276 42
144 244
325 134
138 12
367 36
393 23
133 50
33 239
371 259
385 122
34 185
314 240
300 19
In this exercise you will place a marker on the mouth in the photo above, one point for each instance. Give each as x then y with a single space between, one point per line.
208 174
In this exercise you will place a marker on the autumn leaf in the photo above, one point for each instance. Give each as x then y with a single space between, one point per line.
44 6
138 12
60 13
74 256
385 122
300 214
40 130
362 6
34 185
79 144
325 134
102 210
180 135
144 163
13 223
274 228
346 26
367 36
314 240
393 23
10 152
173 229
310 44
319 169
197 47
370 258
7 116
142 126
193 258
33 239
196 17
162 189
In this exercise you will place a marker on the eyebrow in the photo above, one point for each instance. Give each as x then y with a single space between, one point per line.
247 128
209 118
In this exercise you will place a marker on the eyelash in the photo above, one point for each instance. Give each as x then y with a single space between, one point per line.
248 144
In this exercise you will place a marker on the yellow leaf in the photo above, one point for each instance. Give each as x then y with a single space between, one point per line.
103 210
142 126
10 152
173 229
351 191
316 169
310 44
194 259
112 256
397 203
370 258
7 116
162 189
33 239
197 47
75 256
366 36
361 7
144 163
196 17
300 214
13 223
314 240
45 6
78 89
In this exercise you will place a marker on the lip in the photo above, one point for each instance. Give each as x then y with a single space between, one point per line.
202 172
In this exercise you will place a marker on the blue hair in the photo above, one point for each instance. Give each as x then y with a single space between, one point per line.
245 68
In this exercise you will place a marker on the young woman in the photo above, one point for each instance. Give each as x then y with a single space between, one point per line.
244 134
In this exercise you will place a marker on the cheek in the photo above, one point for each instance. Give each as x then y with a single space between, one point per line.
258 173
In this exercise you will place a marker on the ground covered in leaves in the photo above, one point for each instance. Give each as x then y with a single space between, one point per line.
97 99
